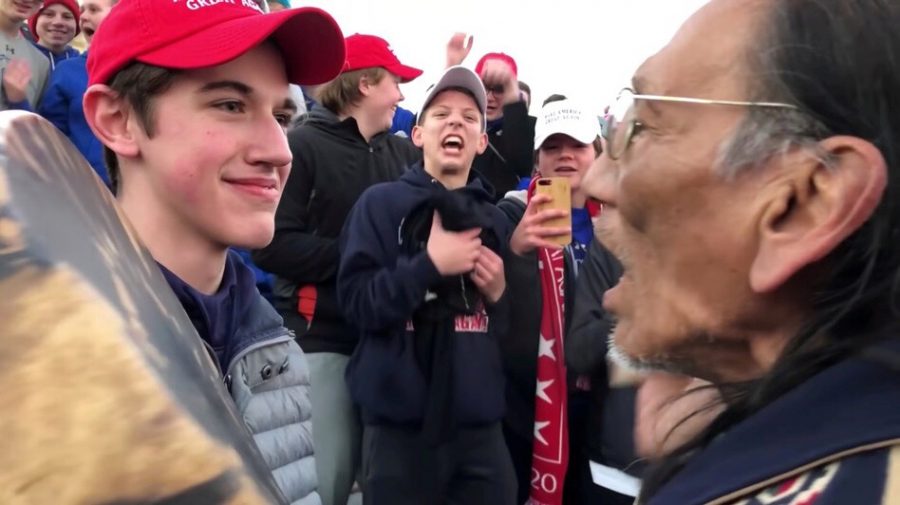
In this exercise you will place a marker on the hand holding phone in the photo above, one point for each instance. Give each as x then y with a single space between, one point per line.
547 221
558 189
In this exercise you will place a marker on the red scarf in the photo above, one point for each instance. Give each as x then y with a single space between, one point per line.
551 433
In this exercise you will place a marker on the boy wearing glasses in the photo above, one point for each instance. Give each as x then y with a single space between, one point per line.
509 156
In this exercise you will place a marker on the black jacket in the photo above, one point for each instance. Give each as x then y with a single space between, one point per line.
510 154
519 346
611 414
381 286
332 166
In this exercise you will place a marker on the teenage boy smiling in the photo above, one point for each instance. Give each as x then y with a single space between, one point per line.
191 111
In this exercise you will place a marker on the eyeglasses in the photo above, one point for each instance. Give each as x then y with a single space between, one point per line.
622 125
496 89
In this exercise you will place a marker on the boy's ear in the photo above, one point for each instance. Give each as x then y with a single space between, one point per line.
365 85
482 143
110 118
417 136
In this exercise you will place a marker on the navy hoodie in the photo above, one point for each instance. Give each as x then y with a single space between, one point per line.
217 317
379 288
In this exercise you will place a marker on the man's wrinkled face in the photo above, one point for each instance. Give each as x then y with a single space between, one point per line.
684 233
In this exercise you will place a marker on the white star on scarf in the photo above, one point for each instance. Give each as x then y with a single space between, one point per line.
546 348
538 426
542 390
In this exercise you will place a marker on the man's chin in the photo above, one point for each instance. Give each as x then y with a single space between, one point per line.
645 363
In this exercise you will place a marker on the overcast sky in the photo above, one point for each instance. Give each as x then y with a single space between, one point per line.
587 49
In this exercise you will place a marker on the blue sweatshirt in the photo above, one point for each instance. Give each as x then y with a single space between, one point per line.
403 122
61 105
217 317
56 58
380 287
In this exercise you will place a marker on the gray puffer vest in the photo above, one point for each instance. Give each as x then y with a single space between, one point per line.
269 381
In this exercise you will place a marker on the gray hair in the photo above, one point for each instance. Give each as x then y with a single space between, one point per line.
767 132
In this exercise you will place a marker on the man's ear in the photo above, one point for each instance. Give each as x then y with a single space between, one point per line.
417 136
814 207
482 143
109 117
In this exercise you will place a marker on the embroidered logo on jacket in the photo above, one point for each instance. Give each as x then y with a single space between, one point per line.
472 323
801 490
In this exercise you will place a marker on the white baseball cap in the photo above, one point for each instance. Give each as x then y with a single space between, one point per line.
567 118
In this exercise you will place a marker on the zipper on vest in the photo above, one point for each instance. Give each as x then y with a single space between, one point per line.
284 337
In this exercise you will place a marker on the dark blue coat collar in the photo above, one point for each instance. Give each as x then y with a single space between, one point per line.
852 404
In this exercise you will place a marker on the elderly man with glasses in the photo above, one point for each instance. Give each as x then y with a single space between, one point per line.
751 189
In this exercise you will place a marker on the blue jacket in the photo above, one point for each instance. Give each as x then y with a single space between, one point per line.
379 289
403 122
264 370
56 58
833 440
61 105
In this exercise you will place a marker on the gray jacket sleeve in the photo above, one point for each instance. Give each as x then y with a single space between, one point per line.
586 341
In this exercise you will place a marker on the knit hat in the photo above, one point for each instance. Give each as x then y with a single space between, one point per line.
72 5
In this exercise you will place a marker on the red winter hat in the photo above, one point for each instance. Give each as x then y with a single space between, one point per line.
497 56
367 51
189 34
72 5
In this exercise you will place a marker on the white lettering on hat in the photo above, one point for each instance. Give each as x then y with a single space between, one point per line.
199 4
562 115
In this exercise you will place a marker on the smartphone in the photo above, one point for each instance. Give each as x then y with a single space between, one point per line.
559 190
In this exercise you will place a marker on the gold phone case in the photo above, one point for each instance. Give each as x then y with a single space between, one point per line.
559 191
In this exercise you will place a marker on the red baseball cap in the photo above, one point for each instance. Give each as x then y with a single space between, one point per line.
497 56
72 5
367 51
189 34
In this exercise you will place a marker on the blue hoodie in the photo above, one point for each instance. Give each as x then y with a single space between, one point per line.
217 317
379 289
61 105
403 122
56 58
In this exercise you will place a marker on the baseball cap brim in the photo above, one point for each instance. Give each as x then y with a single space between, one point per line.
459 77
581 134
404 72
311 44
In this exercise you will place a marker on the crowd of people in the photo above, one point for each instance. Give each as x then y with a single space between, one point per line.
401 313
